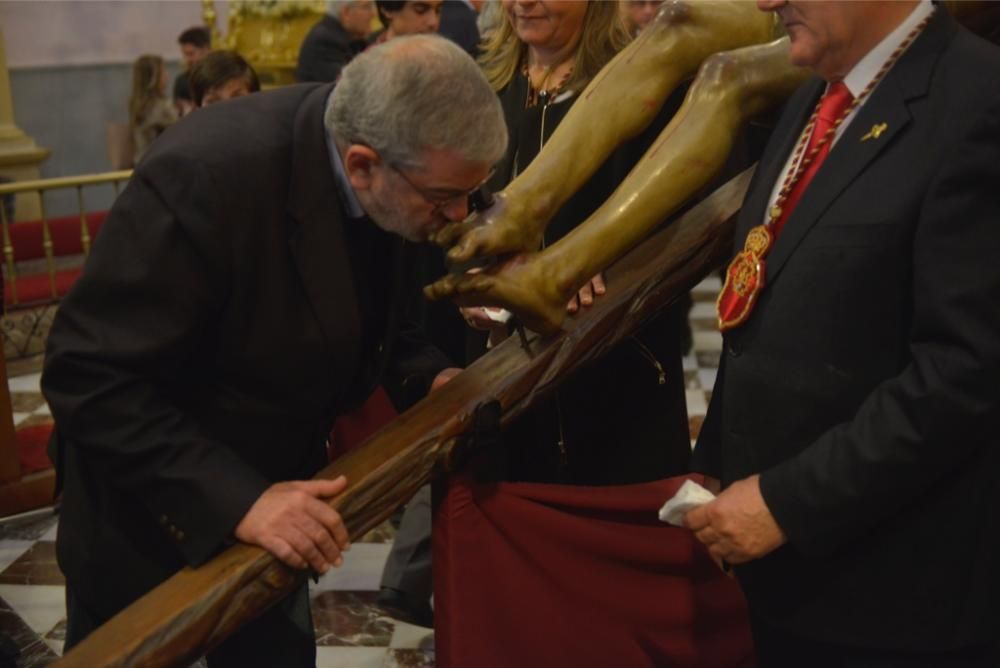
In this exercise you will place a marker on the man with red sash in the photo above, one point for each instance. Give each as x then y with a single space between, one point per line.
853 426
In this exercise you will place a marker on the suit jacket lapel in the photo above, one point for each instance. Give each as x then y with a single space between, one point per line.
774 158
889 104
317 241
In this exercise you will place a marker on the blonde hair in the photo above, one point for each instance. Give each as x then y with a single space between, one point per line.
146 73
602 36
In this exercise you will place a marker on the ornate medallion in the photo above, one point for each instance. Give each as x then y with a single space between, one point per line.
744 279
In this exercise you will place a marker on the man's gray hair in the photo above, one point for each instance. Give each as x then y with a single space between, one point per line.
335 7
415 93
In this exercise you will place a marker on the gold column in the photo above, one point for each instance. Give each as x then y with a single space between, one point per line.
19 154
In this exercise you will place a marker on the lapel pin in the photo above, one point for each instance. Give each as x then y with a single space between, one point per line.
876 131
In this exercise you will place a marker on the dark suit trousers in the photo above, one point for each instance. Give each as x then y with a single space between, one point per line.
282 636
779 649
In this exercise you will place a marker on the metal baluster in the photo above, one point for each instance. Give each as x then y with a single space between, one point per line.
48 246
8 254
84 229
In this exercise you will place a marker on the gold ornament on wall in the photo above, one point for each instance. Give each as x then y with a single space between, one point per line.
268 33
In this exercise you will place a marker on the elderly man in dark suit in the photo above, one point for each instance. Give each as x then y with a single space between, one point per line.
854 419
340 35
244 292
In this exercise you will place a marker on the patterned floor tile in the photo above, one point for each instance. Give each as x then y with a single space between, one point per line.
28 383
29 526
35 419
362 569
408 636
696 402
383 533
694 425
707 359
37 566
349 619
33 649
42 607
350 657
26 402
409 658
58 632
25 365
11 549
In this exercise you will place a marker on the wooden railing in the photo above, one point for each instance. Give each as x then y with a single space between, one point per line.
47 230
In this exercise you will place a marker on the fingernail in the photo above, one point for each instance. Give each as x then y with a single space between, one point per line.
339 562
346 548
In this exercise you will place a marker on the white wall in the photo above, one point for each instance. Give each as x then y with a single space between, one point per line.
49 33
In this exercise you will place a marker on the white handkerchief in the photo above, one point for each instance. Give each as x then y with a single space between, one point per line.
497 314
688 497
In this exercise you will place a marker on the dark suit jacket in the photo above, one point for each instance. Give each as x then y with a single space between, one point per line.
458 23
214 336
325 51
864 387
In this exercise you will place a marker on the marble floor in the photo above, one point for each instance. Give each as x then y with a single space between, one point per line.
350 632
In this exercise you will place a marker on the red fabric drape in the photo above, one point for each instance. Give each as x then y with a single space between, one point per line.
351 430
555 575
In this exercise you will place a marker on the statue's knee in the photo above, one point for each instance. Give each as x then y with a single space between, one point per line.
671 13
721 73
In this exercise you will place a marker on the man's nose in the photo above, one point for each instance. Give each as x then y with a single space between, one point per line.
433 23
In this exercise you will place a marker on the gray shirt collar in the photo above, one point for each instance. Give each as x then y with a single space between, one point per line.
350 201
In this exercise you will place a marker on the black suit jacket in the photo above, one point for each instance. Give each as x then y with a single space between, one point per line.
864 387
325 51
214 336
458 23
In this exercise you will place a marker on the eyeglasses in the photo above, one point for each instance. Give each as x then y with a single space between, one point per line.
438 199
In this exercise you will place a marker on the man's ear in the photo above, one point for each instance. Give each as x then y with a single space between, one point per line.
359 161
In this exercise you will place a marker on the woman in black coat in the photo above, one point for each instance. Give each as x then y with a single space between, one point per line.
623 418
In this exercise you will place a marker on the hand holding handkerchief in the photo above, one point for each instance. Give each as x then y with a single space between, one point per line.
688 497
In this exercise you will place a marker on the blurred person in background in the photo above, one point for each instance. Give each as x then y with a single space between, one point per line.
458 23
195 43
149 110
339 36
638 13
222 75
407 18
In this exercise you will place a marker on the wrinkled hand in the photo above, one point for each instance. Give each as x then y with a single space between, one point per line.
293 522
737 526
502 229
585 297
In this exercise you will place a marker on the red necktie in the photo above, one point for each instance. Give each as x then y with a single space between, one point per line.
833 104
745 274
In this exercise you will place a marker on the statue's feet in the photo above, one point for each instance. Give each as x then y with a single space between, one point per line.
521 285
503 229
